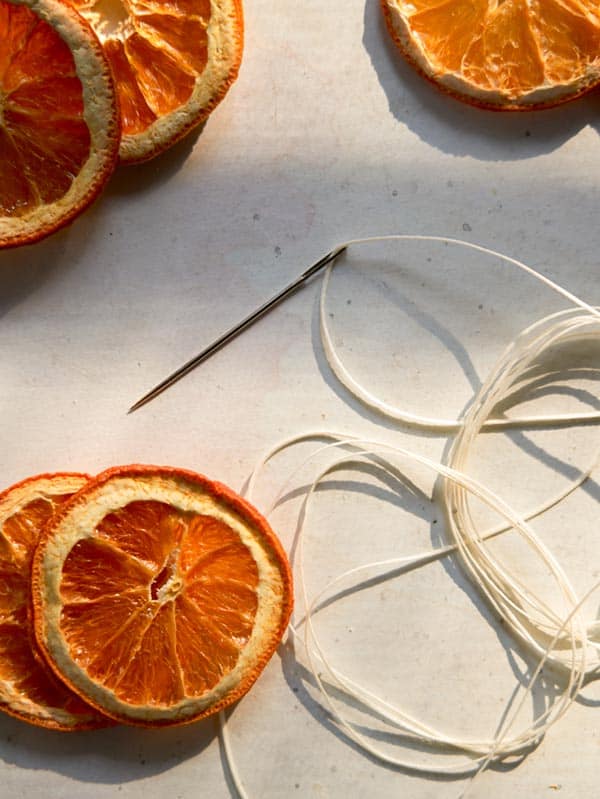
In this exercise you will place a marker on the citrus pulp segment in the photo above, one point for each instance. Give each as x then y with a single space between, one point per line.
173 62
59 126
29 689
159 595
509 55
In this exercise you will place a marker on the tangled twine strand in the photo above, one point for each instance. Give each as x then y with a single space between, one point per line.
566 642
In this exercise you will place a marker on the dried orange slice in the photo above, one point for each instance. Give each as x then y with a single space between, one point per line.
29 690
173 61
511 55
159 595
59 127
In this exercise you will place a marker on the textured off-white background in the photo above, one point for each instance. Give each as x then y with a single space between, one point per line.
326 135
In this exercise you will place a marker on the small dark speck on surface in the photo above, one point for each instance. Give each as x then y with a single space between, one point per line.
295 689
278 251
467 226
348 302
527 133
256 217
434 521
297 785
429 260
395 193
480 306
449 184
142 761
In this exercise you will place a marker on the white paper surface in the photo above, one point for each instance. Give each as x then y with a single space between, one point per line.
327 135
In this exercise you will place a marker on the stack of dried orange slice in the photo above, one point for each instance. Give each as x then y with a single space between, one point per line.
145 595
165 64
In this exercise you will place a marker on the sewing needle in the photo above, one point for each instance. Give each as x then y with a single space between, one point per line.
234 331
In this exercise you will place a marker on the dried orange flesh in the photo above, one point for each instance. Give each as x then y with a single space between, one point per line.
44 140
176 603
159 598
159 51
506 52
28 688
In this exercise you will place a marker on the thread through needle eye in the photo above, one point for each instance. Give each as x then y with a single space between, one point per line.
237 329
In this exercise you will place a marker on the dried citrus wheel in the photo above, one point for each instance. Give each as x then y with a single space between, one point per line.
59 127
28 688
173 61
159 595
512 54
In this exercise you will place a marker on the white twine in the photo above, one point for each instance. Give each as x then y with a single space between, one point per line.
433 423
564 642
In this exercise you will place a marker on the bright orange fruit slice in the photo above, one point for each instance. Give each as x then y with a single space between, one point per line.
29 690
511 55
159 595
59 127
173 61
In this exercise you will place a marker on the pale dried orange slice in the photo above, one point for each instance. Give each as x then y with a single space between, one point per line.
29 689
173 61
59 126
506 54
159 595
